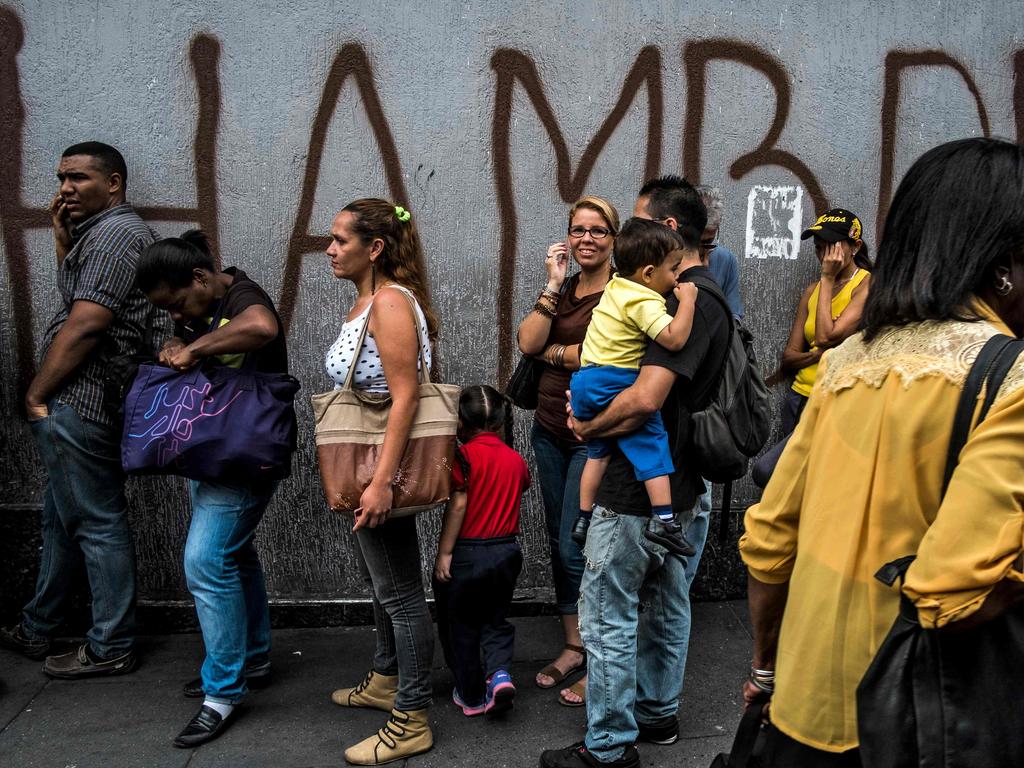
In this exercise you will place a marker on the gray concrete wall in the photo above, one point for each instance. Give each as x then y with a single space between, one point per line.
258 120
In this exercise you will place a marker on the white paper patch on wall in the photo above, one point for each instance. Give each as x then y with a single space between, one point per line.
773 222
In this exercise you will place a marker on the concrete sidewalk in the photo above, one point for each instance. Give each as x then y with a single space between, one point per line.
129 722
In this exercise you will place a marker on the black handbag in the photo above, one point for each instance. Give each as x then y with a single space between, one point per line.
948 698
524 382
745 744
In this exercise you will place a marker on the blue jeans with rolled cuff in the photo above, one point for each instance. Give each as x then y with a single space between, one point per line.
225 577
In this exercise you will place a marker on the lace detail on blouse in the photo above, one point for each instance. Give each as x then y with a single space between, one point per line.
912 352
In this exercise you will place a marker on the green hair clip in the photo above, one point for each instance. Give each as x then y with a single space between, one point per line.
401 214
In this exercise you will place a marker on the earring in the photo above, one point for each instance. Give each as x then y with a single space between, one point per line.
1003 285
373 277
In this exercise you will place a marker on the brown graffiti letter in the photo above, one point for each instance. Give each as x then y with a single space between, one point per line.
696 56
895 63
351 60
204 54
511 65
1018 94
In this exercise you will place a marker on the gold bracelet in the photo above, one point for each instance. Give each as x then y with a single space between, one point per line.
561 356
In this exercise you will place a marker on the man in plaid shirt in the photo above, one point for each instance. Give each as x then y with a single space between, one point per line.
85 513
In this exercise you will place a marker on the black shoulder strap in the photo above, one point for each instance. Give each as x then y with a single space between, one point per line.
713 288
989 370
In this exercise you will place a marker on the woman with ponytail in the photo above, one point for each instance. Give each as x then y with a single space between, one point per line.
375 245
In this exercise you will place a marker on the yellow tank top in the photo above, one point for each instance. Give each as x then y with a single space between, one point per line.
804 381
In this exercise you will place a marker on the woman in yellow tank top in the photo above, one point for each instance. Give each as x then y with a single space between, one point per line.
830 309
829 313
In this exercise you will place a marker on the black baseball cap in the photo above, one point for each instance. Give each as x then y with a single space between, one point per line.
834 225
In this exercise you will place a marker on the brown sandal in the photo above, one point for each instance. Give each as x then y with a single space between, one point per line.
580 689
558 676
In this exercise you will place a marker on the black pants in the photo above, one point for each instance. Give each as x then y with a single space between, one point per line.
472 611
792 408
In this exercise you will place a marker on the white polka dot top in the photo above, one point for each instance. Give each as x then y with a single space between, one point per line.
369 373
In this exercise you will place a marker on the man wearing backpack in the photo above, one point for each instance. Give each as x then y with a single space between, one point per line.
634 600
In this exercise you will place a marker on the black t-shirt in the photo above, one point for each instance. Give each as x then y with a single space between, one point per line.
697 367
242 294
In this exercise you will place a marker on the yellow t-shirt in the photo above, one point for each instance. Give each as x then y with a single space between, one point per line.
858 486
841 300
625 317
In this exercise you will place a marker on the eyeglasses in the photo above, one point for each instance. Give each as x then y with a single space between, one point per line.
598 233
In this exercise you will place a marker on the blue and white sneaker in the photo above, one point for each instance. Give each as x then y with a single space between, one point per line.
501 693
467 710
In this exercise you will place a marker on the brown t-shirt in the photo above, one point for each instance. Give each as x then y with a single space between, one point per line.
569 327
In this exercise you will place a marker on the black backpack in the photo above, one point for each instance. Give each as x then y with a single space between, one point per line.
735 424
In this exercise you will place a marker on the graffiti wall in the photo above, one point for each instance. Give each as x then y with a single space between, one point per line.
258 121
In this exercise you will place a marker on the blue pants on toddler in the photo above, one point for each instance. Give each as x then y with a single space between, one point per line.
593 388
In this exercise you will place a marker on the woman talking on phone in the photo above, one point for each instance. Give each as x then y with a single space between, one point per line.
376 246
829 312
553 332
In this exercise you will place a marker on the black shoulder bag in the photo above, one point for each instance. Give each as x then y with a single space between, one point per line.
525 379
948 698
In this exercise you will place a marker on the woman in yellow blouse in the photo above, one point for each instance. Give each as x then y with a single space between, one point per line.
860 482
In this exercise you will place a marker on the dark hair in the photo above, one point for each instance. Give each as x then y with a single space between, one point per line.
108 159
402 257
171 261
674 197
642 243
957 212
482 409
862 258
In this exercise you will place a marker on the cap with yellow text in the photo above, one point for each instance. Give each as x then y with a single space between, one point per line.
833 226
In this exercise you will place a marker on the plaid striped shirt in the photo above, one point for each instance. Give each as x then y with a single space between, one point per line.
101 268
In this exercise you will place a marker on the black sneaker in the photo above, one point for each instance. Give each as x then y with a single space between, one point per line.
579 531
15 639
670 536
664 731
577 756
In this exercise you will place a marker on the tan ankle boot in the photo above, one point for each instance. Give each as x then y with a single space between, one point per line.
404 734
377 691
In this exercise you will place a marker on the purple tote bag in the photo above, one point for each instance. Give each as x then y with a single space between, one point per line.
216 424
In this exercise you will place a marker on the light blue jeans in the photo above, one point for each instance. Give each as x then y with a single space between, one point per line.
85 518
224 575
635 624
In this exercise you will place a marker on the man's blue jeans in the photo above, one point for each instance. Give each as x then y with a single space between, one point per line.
85 518
224 575
635 624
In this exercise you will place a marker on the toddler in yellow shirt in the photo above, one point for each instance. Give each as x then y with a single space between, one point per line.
631 311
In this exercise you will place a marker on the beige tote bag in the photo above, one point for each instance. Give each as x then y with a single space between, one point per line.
350 426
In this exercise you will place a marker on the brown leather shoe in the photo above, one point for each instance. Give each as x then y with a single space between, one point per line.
78 663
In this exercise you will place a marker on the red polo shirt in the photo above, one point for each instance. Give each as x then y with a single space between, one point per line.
497 479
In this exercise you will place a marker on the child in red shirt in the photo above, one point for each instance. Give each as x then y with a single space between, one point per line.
478 557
